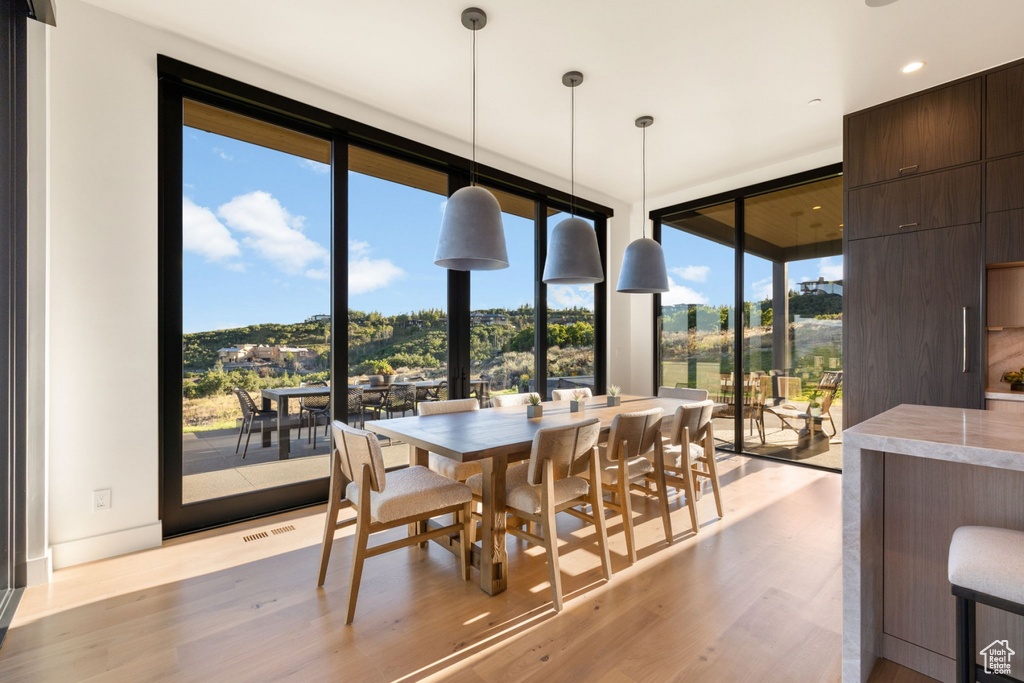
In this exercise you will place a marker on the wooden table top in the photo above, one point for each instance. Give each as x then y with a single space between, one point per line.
479 434
293 392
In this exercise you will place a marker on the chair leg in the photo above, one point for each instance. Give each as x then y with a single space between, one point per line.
358 556
248 435
238 444
965 640
627 517
551 546
602 531
666 517
713 475
330 525
466 539
691 496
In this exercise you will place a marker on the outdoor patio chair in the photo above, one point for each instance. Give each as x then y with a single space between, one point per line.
440 392
384 501
399 398
252 415
827 387
355 404
317 407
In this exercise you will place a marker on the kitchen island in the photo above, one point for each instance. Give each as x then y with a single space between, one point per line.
911 476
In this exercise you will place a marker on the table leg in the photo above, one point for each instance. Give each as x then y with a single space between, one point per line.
263 432
493 560
283 433
418 456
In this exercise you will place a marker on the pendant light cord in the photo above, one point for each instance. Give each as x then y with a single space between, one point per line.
472 166
643 201
572 151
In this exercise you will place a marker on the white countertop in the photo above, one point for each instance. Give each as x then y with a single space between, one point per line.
974 437
1004 395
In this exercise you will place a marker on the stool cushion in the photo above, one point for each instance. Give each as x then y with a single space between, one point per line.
412 491
988 560
453 469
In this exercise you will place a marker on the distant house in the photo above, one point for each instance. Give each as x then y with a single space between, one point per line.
488 319
232 354
319 318
263 353
821 286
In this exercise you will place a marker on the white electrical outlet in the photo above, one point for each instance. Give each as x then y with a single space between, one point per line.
101 499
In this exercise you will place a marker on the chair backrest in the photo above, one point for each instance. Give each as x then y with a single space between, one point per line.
566 447
569 394
638 430
315 402
684 393
248 405
830 381
355 399
400 397
354 448
458 405
504 400
441 393
694 418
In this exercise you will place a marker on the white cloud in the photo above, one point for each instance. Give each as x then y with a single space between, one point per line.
829 269
681 294
569 296
693 273
366 274
315 166
203 234
761 289
222 154
358 248
275 234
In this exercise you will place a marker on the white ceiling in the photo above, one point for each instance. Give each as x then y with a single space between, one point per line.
727 81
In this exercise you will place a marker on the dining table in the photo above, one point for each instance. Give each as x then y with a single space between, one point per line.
494 438
476 385
281 396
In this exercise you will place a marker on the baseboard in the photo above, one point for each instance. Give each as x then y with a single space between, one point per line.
107 545
919 659
39 569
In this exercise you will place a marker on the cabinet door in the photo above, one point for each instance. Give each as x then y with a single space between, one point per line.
1004 132
924 133
907 300
1004 237
935 200
1005 184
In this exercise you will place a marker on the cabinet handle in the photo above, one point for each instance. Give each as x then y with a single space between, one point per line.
965 339
908 225
909 169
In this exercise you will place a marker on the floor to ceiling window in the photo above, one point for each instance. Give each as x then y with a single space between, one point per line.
785 401
297 286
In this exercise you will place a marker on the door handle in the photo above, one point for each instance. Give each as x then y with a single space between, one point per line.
909 169
908 225
965 339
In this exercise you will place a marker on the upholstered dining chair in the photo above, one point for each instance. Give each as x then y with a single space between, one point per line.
506 400
549 483
384 501
683 393
569 394
688 455
446 467
632 455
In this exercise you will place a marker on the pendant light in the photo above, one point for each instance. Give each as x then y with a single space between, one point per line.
573 257
472 236
643 264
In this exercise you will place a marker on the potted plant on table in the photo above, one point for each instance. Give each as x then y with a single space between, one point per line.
577 404
534 408
614 399
1015 379
385 373
813 405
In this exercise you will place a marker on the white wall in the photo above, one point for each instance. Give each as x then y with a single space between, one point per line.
103 421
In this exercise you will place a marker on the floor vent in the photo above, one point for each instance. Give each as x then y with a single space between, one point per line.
255 537
282 529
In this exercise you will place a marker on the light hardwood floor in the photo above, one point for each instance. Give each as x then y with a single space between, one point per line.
753 597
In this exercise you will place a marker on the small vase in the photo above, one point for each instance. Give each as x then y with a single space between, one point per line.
814 412
534 411
576 406
614 401
1017 386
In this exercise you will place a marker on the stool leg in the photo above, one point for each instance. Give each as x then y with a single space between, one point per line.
965 640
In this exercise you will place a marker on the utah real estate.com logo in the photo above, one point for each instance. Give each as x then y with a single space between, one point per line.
997 657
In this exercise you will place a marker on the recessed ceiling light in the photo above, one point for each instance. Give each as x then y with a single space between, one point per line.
912 67
815 208
814 102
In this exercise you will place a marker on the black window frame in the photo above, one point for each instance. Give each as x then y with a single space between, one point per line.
178 81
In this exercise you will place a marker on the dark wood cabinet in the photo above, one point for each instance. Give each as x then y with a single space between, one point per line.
935 200
907 303
926 132
1005 188
1004 132
1004 237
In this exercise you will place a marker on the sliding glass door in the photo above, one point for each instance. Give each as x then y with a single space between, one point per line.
786 399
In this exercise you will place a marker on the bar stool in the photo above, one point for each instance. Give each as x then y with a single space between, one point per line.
986 565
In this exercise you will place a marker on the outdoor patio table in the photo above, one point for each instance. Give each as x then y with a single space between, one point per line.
281 397
494 438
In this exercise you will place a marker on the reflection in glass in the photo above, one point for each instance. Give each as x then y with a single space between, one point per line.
570 361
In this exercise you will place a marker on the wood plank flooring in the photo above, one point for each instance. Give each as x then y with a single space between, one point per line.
756 597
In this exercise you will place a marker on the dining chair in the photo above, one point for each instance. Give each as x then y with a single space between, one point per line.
692 434
251 416
683 393
569 394
384 501
632 455
506 400
316 406
355 404
440 392
399 398
445 466
549 483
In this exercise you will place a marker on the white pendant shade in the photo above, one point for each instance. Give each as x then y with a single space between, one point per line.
573 257
643 268
472 236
